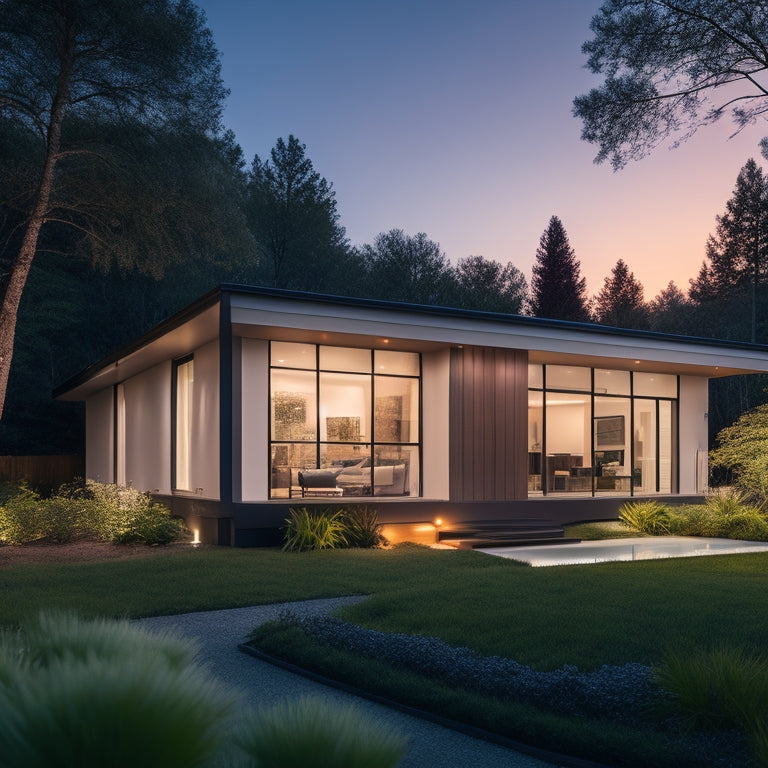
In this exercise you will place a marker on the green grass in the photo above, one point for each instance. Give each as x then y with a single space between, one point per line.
585 615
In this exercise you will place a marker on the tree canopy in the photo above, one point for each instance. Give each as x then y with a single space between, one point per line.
489 285
670 67
116 103
407 268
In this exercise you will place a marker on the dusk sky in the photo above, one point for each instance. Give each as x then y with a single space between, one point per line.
454 118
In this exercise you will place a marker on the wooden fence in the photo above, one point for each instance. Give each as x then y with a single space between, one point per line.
50 471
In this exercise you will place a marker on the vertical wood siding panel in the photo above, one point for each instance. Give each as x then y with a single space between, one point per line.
488 437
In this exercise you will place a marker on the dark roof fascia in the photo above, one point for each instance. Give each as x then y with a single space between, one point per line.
499 317
200 305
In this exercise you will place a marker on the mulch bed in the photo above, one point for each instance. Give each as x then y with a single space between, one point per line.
76 552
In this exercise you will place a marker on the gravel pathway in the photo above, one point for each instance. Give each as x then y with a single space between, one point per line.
219 633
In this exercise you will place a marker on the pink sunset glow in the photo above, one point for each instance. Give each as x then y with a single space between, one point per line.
454 119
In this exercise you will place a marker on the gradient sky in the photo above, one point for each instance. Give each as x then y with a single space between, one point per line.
453 117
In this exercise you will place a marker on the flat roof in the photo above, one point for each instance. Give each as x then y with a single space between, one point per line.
262 312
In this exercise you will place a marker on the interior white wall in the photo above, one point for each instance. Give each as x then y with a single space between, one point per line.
693 433
99 437
435 368
255 411
148 429
204 470
568 429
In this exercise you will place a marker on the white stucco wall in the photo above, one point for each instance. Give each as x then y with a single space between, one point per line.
148 429
204 470
99 437
435 368
255 411
693 435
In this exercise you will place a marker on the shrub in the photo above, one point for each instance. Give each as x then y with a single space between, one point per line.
127 516
649 517
308 529
21 519
76 693
692 520
743 449
749 525
104 511
152 525
306 733
361 526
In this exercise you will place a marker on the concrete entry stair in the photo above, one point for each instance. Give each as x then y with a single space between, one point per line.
473 534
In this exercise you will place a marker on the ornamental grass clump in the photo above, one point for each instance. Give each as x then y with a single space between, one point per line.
75 693
721 688
725 502
308 529
361 526
649 517
307 733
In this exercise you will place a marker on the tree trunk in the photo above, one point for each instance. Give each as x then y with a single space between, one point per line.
23 262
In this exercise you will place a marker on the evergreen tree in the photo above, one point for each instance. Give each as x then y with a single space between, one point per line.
738 252
293 216
670 311
557 288
620 301
486 284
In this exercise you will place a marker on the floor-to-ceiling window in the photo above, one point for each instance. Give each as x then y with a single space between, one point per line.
599 431
353 413
184 381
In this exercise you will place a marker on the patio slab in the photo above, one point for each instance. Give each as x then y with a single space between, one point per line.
640 548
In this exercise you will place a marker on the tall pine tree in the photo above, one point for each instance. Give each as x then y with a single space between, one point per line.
557 288
738 251
292 213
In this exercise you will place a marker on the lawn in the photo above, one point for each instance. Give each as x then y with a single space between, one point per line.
585 615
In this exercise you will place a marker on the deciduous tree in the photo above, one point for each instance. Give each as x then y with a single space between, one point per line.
670 67
100 93
557 288
407 268
486 284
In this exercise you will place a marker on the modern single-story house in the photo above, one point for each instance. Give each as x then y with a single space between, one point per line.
253 400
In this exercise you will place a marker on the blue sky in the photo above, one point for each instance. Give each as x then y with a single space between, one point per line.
454 119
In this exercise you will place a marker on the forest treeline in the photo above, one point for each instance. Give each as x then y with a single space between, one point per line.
123 197
285 231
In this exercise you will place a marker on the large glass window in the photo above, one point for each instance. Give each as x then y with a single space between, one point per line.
345 421
185 381
601 431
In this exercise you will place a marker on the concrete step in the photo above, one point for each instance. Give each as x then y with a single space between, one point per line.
471 534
